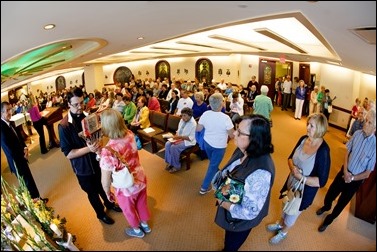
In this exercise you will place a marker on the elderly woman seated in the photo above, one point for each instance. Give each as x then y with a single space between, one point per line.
183 139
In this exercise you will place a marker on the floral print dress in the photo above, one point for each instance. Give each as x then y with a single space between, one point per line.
127 148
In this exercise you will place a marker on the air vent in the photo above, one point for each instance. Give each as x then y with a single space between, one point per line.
368 34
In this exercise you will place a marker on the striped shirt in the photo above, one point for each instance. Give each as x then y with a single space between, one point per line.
362 153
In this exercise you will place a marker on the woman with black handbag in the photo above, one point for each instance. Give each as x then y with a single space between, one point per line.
251 165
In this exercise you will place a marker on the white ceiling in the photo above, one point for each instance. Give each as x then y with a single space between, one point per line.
113 27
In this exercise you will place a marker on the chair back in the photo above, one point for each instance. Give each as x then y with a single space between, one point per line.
159 119
172 124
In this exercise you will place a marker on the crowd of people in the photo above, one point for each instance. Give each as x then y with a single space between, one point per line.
207 120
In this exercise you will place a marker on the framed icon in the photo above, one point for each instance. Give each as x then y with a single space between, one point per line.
60 83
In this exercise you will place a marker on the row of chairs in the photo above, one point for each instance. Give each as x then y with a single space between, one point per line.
162 123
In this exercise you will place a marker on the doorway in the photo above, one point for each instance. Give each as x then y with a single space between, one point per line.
270 70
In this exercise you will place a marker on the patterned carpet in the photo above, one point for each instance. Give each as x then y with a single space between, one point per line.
182 220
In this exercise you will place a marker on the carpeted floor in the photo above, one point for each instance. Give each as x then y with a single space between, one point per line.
184 220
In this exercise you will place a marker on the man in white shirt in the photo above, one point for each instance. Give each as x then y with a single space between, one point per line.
287 85
222 85
172 87
184 102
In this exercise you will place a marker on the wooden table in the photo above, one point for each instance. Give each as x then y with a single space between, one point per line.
52 115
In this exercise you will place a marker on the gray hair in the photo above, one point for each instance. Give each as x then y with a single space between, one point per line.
216 101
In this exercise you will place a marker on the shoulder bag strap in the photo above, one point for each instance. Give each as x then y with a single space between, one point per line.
116 154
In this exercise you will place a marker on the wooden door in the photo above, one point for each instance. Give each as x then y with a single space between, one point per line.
267 72
304 72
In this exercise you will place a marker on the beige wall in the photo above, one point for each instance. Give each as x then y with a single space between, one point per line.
344 83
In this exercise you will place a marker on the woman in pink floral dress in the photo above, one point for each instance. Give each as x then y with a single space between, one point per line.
132 200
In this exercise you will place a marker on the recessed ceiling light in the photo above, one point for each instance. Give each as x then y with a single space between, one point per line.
49 26
140 38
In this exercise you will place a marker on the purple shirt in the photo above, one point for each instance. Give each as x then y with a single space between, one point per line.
34 113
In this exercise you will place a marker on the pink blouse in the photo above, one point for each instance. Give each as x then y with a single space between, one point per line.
127 148
35 115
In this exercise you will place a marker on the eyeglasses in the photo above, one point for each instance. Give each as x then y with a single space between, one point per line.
241 133
76 105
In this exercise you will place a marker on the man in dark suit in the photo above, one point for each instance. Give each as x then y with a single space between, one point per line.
16 151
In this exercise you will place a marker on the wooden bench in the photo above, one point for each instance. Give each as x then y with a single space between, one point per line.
171 127
186 155
158 124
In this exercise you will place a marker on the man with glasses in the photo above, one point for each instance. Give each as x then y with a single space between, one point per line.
83 156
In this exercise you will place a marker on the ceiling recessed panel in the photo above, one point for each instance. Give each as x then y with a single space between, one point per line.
46 58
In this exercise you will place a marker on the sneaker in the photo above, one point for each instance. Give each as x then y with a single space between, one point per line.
274 227
204 191
133 233
145 228
278 238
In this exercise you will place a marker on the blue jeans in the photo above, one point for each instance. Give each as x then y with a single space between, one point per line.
215 156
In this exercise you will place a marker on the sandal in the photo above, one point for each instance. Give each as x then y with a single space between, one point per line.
173 169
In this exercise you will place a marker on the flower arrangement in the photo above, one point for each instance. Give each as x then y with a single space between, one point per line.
28 224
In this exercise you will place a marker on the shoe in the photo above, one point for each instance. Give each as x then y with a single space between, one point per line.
145 228
133 233
204 191
116 208
278 238
107 220
320 211
274 227
322 228
168 167
173 169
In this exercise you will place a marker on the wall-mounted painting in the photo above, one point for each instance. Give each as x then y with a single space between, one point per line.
60 83
204 69
162 70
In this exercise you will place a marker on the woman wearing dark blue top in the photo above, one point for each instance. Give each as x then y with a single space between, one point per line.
199 106
309 158
173 102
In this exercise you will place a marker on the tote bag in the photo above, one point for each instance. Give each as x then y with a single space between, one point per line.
293 197
121 178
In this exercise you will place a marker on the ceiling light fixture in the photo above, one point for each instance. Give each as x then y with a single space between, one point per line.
49 27
140 38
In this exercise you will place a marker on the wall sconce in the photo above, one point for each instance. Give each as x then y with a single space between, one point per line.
220 72
139 72
76 81
106 77
178 71
70 82
227 72
147 73
186 71
51 86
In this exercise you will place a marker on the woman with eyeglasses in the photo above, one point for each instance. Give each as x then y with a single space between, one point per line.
251 163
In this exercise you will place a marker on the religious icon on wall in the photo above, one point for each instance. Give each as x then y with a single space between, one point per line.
204 70
122 75
60 83
162 70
